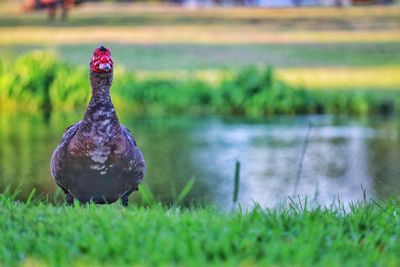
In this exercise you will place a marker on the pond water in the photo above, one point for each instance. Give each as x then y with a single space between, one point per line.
342 156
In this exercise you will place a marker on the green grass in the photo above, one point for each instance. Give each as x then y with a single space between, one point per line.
189 57
40 234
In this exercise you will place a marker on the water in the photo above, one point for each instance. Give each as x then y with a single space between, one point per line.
342 155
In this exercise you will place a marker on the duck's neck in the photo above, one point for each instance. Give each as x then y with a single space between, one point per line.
101 84
100 110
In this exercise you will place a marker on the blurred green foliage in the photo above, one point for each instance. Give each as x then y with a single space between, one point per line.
298 234
39 80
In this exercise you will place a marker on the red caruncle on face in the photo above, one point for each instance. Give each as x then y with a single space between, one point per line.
101 60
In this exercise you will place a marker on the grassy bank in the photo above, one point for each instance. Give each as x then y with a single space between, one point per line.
41 234
194 56
39 81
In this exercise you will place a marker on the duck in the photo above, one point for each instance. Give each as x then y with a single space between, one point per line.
98 160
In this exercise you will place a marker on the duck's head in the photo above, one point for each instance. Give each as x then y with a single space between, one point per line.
101 61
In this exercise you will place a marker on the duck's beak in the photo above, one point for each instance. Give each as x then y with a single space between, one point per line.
105 66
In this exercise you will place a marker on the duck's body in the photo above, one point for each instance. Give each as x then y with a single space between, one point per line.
98 160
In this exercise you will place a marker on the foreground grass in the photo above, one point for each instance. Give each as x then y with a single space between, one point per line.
38 233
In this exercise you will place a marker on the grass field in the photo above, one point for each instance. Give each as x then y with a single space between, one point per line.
39 234
164 57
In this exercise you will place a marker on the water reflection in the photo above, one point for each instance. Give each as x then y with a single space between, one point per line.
335 162
341 156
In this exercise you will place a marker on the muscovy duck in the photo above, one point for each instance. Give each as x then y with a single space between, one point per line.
97 159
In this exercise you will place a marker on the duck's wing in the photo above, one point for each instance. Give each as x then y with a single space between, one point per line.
137 164
61 148
128 135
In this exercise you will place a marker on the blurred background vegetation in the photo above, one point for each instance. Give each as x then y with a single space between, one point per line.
253 91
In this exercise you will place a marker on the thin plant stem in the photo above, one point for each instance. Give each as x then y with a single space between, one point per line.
303 152
236 182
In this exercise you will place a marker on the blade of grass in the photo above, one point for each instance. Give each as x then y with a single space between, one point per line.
30 197
147 196
185 191
236 182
